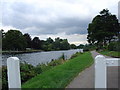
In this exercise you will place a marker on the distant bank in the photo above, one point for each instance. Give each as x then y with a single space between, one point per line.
20 52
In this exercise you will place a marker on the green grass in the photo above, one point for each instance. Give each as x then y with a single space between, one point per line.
110 53
60 76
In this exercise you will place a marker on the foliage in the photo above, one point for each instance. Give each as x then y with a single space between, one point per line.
64 45
28 40
61 44
27 71
74 55
110 53
36 43
103 29
4 78
13 40
58 44
61 75
49 40
81 46
73 46
114 46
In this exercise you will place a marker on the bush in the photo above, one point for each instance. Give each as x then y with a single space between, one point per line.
114 46
86 49
4 78
27 71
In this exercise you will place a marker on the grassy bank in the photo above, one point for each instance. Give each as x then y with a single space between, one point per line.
110 53
28 71
61 75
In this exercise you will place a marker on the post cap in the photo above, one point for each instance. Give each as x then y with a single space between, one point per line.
99 56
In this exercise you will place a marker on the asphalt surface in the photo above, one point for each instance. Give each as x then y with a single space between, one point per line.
86 79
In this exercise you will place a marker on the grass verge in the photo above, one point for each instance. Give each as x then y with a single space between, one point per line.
111 53
60 76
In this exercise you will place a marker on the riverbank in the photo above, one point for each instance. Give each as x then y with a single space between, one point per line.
27 51
20 52
61 75
113 54
28 71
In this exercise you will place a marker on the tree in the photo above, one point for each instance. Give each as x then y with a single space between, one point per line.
73 46
57 43
3 33
81 46
103 29
61 44
28 40
49 40
36 43
13 40
64 45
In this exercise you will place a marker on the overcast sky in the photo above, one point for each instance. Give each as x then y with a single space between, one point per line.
54 18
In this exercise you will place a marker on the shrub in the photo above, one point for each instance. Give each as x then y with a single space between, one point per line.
114 46
86 49
4 78
27 71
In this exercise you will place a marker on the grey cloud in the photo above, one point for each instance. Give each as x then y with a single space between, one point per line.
16 15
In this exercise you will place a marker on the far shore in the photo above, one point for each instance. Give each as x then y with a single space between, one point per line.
25 51
19 52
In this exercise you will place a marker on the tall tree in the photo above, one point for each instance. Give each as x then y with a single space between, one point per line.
28 40
57 43
14 40
36 43
104 28
64 45
49 40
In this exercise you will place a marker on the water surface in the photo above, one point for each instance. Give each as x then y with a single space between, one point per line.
40 57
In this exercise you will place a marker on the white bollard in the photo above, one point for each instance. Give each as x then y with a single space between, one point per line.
13 71
100 72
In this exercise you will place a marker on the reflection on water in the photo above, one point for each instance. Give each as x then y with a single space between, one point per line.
40 57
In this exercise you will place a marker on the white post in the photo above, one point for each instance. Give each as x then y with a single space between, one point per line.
100 72
13 71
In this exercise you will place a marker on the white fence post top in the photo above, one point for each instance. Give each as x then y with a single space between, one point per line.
13 72
13 58
99 56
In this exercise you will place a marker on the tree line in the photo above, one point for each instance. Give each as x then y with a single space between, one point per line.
16 41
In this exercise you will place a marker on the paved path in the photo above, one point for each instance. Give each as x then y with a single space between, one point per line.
86 78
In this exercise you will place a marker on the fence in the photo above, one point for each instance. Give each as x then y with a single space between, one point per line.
101 64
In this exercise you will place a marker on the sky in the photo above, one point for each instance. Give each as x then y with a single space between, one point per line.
67 19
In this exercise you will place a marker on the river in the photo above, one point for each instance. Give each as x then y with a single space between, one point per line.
40 57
